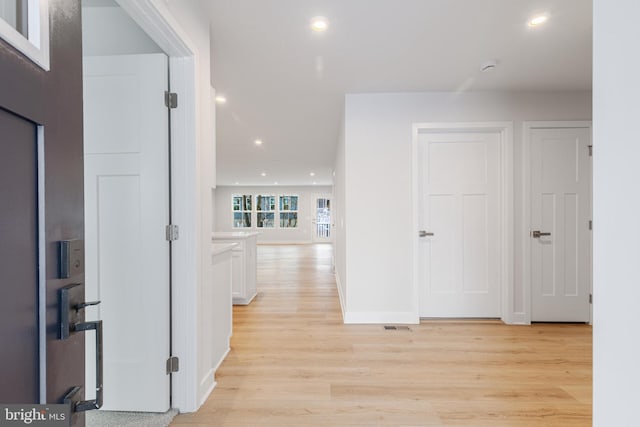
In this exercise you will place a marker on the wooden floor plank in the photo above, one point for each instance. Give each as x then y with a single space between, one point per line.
293 362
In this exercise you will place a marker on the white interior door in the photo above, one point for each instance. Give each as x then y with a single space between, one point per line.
560 211
322 219
460 219
126 211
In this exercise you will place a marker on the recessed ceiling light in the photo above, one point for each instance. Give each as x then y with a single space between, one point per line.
220 99
314 183
319 24
263 174
237 183
258 142
538 20
312 174
275 183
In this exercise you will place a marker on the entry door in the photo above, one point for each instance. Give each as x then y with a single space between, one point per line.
19 357
322 219
560 212
460 224
127 210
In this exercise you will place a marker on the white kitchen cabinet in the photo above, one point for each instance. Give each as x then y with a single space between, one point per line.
244 263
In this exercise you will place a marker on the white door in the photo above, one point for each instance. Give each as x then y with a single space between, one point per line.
126 211
460 222
560 211
322 220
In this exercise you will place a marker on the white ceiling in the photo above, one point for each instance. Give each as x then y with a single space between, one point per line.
286 84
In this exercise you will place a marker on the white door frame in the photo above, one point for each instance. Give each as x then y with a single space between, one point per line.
157 21
527 127
505 129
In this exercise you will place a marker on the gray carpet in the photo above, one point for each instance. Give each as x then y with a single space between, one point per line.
129 419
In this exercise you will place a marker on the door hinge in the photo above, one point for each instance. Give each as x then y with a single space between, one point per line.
590 224
590 298
173 365
171 99
590 150
173 232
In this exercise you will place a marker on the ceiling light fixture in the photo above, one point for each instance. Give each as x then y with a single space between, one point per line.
263 174
258 142
312 174
538 20
220 99
319 24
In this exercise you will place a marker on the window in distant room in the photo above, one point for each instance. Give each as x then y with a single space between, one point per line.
241 211
265 208
288 211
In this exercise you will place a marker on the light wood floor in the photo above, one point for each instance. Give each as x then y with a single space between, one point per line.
294 363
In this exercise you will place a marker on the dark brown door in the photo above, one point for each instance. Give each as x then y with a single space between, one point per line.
48 101
19 260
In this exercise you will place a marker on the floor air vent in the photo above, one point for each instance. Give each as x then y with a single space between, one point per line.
396 328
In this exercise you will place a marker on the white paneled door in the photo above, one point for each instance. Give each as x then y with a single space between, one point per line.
460 224
126 211
560 237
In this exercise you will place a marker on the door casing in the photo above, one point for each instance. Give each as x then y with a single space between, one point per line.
505 130
158 22
527 127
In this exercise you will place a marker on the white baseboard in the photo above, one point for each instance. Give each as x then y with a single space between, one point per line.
518 318
381 317
206 395
340 296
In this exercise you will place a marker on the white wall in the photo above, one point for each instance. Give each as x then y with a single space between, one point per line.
301 234
109 30
378 155
339 216
616 231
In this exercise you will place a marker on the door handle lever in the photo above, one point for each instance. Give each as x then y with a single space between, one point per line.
536 234
423 233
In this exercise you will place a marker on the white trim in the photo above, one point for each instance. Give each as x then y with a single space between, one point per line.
505 129
343 307
381 317
527 127
42 268
36 46
158 22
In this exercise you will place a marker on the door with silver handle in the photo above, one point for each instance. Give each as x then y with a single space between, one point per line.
536 234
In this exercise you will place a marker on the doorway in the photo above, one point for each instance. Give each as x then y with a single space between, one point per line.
558 247
462 219
127 209
322 219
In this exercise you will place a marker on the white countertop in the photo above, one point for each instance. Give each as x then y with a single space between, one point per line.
217 235
220 248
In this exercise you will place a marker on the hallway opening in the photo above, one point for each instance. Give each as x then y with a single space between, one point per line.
293 362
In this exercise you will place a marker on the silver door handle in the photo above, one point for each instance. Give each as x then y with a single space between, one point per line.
536 234
423 233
